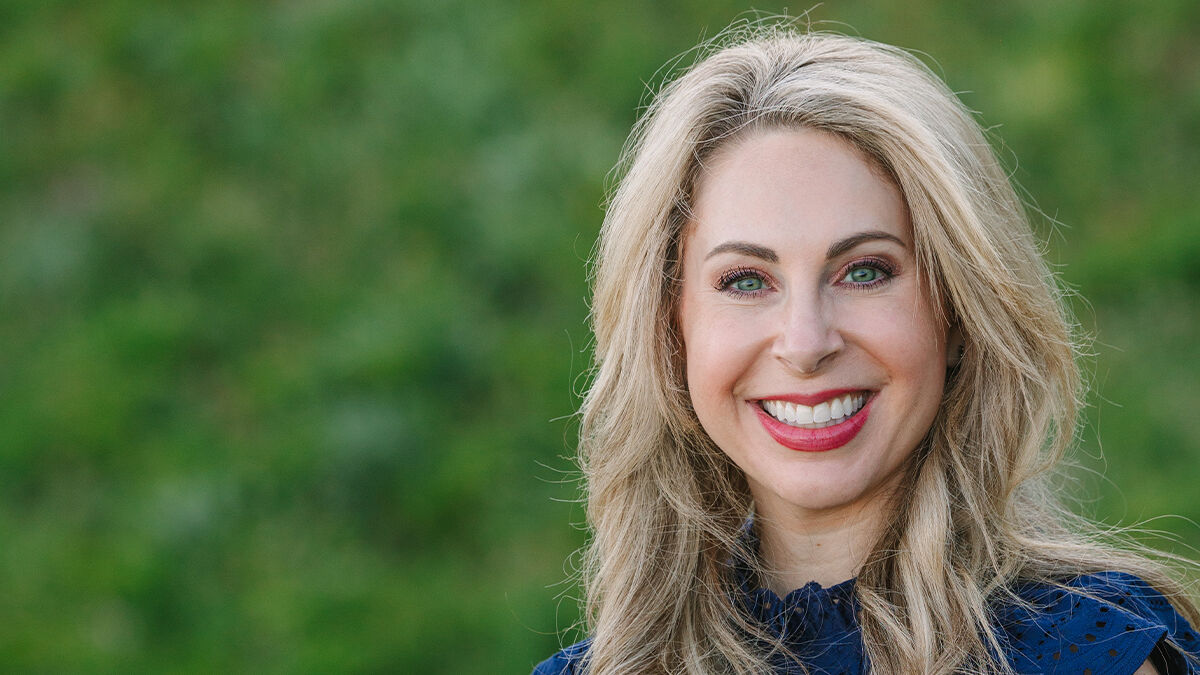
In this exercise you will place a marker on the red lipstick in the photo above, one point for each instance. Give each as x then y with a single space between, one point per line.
814 440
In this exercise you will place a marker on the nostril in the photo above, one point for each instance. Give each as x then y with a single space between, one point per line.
809 342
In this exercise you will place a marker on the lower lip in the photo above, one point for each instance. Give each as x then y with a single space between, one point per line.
814 440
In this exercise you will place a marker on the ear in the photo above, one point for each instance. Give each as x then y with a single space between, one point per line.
956 345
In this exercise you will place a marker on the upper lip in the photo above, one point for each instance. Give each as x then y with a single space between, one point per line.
814 399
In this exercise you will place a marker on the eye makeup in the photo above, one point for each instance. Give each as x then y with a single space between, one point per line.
888 269
728 281
742 281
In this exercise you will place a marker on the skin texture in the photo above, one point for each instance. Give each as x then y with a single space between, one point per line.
794 320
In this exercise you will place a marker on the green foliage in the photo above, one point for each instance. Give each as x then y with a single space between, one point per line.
295 303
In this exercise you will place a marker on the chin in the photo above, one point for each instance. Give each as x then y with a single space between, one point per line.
817 494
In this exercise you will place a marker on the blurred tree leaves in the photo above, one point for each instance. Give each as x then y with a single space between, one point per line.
295 296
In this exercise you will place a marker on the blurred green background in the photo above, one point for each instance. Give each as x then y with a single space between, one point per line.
294 303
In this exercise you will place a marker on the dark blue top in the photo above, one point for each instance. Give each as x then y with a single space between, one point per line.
1060 631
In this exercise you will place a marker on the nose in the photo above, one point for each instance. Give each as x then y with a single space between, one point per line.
808 338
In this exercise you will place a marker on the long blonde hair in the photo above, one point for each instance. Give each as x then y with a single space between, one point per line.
666 506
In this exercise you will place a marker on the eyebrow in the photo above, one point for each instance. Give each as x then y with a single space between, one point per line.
745 248
850 242
836 249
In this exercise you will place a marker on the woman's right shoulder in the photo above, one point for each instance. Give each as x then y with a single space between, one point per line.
567 661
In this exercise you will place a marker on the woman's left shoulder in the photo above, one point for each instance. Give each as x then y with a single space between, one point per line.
566 661
1108 622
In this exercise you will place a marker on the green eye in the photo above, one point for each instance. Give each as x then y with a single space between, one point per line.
863 275
748 284
743 283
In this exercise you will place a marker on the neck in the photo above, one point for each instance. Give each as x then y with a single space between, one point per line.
825 547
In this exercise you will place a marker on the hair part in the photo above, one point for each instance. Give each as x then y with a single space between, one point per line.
977 511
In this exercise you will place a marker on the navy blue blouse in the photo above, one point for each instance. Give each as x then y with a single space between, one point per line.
1112 630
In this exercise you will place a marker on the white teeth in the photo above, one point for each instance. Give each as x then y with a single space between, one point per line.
828 413
804 414
789 413
821 412
835 409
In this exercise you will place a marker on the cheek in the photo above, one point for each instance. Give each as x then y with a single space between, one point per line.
719 351
705 362
913 346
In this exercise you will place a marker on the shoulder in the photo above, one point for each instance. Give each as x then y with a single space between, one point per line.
1110 622
567 661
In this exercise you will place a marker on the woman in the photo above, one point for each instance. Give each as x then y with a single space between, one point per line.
833 373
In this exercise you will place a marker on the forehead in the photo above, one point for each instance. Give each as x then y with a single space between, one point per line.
797 184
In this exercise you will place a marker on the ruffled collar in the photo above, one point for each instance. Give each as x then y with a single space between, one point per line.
810 613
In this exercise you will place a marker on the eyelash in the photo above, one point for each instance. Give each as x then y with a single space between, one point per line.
886 267
732 276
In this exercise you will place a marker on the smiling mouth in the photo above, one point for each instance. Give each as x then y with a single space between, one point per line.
825 414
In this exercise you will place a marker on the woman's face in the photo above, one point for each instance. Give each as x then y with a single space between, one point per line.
814 357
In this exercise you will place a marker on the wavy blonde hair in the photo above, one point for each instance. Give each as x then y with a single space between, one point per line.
976 513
